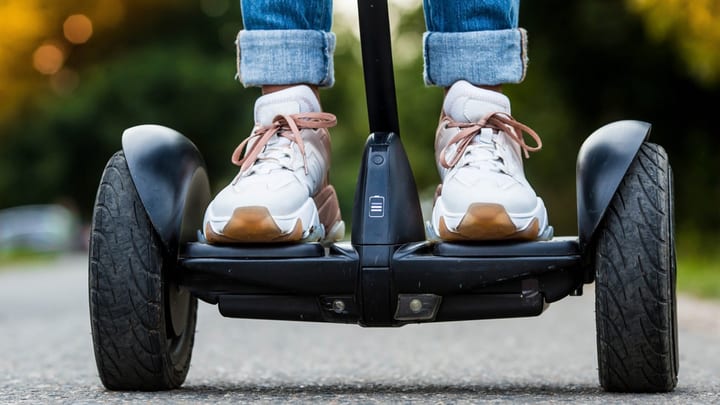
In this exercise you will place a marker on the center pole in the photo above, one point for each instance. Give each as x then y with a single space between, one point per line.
378 66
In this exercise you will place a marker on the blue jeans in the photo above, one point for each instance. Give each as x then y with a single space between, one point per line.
289 42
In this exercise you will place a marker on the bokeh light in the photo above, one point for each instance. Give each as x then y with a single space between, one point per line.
48 59
78 28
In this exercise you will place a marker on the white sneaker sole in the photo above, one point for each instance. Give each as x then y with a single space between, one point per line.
488 221
255 224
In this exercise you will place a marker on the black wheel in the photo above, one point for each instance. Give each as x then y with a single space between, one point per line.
635 304
143 326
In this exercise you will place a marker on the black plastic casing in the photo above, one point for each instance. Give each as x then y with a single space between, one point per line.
602 162
386 215
170 177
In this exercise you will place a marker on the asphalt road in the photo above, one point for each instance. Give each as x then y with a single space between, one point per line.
46 354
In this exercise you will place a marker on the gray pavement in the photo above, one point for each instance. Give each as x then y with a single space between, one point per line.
46 354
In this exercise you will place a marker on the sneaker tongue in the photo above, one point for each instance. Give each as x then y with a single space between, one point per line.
294 100
467 103
484 137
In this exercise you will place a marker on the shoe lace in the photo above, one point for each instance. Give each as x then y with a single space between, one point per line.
285 125
498 121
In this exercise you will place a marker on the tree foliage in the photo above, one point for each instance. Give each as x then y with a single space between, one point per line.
692 26
31 26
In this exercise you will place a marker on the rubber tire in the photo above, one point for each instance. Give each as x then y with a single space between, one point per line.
135 347
635 303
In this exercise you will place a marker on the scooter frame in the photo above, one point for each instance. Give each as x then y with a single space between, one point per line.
389 274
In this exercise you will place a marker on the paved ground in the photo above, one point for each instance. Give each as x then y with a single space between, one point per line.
46 354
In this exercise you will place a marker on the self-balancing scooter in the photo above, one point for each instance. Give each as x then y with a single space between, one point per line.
149 265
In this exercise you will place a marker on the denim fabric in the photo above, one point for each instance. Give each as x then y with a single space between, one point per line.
467 16
480 57
477 41
286 57
287 14
288 42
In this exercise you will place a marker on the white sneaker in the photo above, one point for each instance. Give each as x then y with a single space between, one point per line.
281 193
484 194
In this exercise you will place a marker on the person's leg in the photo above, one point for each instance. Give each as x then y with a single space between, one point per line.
280 36
471 49
281 193
474 40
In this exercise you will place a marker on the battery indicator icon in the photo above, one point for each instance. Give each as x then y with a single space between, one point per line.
377 206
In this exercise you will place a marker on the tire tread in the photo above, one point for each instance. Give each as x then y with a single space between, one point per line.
126 291
635 291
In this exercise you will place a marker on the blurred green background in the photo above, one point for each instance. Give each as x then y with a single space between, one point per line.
74 74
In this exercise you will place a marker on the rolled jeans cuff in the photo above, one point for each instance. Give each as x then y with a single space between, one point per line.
286 57
481 57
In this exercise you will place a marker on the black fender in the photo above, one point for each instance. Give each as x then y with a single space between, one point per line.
602 162
171 179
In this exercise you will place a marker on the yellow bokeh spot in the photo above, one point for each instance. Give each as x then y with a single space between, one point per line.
48 59
692 26
78 28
